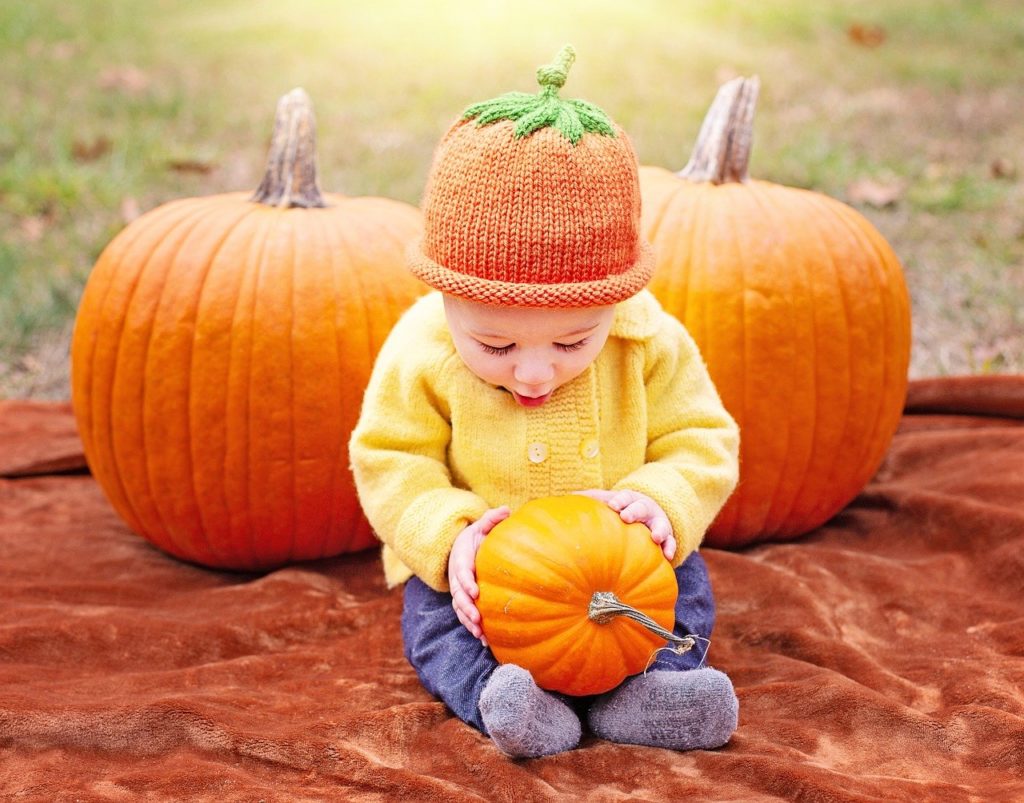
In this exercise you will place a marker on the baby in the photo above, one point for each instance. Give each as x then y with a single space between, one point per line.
542 367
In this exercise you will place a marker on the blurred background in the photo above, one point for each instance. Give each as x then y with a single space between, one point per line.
912 112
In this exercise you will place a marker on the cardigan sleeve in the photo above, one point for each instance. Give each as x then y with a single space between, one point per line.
398 453
692 441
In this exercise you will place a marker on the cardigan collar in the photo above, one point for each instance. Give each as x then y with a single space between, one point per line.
636 318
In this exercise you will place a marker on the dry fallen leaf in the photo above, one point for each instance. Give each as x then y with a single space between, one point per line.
33 228
64 50
129 209
1002 167
90 151
190 166
125 78
30 364
866 35
875 193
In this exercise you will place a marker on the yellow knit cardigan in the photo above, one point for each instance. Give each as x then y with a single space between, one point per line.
436 446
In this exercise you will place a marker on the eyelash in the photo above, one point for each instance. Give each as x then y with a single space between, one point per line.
572 346
495 350
498 351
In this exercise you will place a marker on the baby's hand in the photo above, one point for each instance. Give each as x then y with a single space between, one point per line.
633 506
462 569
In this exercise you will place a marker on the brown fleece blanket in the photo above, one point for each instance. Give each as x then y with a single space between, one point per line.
879 658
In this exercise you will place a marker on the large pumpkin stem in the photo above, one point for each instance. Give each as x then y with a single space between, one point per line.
290 179
605 606
722 152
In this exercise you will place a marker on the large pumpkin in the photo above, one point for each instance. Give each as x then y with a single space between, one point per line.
801 311
575 595
220 354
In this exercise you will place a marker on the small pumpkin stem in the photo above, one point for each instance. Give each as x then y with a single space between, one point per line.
290 178
722 152
605 606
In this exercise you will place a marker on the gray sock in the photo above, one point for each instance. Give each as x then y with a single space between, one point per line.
523 720
691 710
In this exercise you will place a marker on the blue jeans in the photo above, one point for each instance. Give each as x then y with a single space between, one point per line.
454 666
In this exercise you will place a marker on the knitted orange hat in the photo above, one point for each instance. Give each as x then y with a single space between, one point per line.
534 201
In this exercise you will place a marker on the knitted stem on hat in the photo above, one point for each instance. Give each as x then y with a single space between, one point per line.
573 117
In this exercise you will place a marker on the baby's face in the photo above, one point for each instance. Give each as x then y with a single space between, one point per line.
528 351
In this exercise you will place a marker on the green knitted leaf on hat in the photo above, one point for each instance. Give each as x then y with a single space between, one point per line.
573 117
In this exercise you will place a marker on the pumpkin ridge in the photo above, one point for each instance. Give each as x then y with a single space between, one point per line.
636 569
325 247
836 273
331 236
579 634
547 587
253 266
679 298
288 553
506 634
93 308
638 591
295 252
559 570
364 296
637 638
252 468
814 419
762 190
103 458
593 664
542 655
746 334
858 417
189 224
772 523
340 239
868 241
186 391
655 225
841 224
226 520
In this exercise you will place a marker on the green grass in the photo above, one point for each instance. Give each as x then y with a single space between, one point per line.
145 86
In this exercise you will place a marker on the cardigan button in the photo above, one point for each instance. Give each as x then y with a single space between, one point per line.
537 452
589 448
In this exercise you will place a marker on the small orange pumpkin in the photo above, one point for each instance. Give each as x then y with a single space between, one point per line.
220 353
802 314
576 596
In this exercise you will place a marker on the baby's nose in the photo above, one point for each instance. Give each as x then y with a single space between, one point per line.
534 372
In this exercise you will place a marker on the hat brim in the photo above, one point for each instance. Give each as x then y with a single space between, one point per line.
601 292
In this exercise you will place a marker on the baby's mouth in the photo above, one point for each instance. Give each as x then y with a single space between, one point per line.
530 401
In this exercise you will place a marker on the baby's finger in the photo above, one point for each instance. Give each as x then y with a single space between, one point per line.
467 581
470 626
668 549
621 500
635 511
464 606
661 529
491 519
